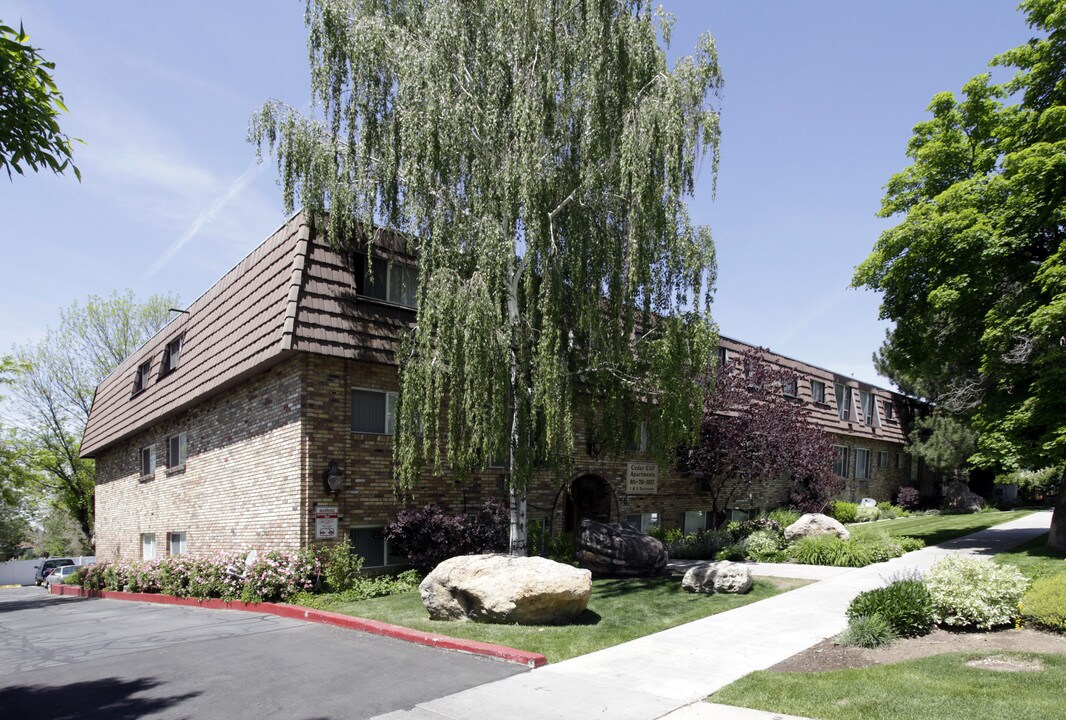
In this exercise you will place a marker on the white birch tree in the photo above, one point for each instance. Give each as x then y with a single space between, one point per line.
537 155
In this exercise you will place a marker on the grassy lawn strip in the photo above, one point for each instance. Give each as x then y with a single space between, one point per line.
1035 559
619 610
939 687
935 529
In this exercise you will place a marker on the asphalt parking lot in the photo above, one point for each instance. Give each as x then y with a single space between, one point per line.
65 657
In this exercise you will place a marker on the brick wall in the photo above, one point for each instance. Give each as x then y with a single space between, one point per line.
240 486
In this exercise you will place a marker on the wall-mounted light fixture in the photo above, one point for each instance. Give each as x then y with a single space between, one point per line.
333 477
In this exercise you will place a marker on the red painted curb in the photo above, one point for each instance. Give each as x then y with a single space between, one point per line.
324 617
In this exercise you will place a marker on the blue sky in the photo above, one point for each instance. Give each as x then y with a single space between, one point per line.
819 100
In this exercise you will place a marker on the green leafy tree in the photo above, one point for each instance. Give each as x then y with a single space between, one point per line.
944 442
537 157
53 389
30 102
974 275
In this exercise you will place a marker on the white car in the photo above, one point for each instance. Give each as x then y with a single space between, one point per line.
59 575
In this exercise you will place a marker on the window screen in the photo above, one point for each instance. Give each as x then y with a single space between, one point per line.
368 411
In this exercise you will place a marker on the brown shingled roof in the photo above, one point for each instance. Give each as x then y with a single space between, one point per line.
233 330
292 293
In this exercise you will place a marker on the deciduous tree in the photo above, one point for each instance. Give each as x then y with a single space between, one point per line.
974 275
754 432
55 381
30 102
537 155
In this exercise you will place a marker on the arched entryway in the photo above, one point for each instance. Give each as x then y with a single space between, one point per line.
589 497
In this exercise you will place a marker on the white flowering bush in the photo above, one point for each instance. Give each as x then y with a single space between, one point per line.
763 546
973 592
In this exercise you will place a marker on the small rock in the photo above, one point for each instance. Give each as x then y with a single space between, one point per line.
718 577
959 496
815 524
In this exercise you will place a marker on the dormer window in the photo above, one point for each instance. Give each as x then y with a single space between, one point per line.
171 354
393 282
140 378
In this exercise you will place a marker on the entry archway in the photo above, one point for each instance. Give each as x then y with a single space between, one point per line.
589 498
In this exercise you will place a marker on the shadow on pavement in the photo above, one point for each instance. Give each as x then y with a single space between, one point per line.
106 699
24 603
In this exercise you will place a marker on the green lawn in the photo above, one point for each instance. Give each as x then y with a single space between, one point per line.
935 529
1035 559
942 687
619 610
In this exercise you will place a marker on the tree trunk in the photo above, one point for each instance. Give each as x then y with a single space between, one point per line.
518 523
1056 539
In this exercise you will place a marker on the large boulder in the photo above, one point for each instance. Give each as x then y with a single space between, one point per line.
959 496
505 589
815 524
718 577
613 549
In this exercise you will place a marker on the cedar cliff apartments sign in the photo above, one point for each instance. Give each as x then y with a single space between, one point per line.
642 478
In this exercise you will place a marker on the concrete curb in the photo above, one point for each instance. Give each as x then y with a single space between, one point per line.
296 612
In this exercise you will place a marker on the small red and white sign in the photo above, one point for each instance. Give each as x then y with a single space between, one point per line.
325 522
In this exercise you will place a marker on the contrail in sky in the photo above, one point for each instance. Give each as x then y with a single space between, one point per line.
204 217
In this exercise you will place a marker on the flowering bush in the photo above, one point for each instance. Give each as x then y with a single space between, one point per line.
972 592
276 576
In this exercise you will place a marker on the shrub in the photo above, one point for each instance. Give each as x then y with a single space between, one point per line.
666 535
340 566
908 498
844 511
428 536
973 592
732 552
276 576
889 511
783 516
905 604
740 530
867 514
909 544
1044 605
558 546
362 588
868 631
699 545
859 551
764 546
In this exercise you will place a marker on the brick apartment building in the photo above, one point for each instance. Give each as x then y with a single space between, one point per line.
223 431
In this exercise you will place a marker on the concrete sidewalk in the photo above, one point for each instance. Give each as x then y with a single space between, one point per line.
669 673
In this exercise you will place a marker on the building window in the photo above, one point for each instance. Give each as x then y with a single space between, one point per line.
370 544
373 411
862 464
844 401
147 546
869 412
393 282
901 461
818 391
695 520
643 521
147 462
882 459
789 388
176 451
840 460
638 438
140 378
723 356
171 354
178 543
